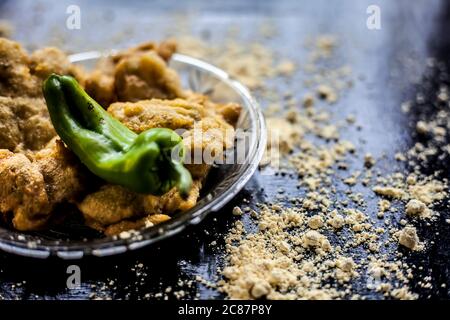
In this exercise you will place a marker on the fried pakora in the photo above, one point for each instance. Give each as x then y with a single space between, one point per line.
113 207
136 86
135 74
31 188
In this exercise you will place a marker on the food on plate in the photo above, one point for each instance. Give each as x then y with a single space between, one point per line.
31 187
83 161
144 163
136 74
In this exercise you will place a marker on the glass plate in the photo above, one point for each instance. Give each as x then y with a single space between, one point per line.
73 240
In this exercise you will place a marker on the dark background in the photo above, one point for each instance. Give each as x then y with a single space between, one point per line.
389 66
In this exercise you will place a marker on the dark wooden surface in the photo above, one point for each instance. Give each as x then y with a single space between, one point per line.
384 62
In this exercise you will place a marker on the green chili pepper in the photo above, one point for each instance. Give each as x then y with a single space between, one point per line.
150 162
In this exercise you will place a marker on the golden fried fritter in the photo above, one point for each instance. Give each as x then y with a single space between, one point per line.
101 87
24 121
156 113
37 171
229 111
206 133
146 76
213 133
205 144
44 62
22 75
63 173
22 191
165 50
100 84
126 225
113 205
35 178
108 82
15 77
24 124
172 201
31 188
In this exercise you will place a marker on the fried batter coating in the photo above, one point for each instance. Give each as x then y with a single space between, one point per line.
15 77
22 191
172 202
213 133
24 121
10 134
111 204
63 173
46 61
126 225
22 75
229 111
113 209
114 205
165 50
108 83
205 144
100 83
206 133
24 124
156 113
35 174
31 188
146 76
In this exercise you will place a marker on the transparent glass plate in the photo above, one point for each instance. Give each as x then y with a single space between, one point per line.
73 240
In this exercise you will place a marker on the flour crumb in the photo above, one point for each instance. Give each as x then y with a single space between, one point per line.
408 238
237 211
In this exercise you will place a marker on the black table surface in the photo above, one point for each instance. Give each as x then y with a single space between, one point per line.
383 61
